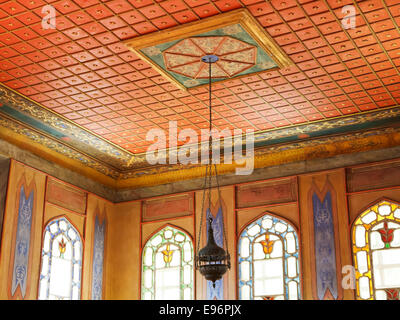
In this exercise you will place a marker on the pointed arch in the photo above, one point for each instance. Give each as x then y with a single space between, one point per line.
376 251
268 258
168 265
61 263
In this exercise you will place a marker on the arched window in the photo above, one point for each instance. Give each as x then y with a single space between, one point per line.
268 259
60 276
167 266
376 252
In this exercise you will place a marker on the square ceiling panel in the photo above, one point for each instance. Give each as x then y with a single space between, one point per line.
240 43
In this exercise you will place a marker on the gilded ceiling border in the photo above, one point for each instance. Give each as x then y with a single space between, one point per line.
74 135
134 170
304 150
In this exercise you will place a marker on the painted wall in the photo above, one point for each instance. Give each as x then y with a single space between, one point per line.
321 206
33 200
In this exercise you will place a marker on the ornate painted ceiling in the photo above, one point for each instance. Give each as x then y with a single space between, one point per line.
80 92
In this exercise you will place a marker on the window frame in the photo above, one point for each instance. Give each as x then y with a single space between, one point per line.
374 207
285 255
152 267
46 229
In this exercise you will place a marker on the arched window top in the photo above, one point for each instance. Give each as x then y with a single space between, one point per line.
60 277
167 266
268 256
376 251
384 209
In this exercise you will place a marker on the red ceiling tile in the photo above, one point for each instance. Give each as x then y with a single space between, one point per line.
315 7
125 33
141 3
28 18
32 3
336 37
99 12
205 10
57 38
331 27
315 43
172 6
377 15
388 35
152 11
308 33
164 22
63 23
195 3
260 9
75 33
93 28
113 23
65 6
90 42
185 16
300 24
144 27
119 6
12 7
365 41
79 17
70 47
323 18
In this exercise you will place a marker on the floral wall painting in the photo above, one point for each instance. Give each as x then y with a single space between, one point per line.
98 259
22 242
324 243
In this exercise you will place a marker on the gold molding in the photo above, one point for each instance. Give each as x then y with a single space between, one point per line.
240 16
48 154
317 149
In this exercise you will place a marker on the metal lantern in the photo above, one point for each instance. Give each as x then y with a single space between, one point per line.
212 261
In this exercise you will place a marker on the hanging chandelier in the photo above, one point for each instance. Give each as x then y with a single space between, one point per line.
212 261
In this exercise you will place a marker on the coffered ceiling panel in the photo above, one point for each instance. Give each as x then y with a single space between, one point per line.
83 73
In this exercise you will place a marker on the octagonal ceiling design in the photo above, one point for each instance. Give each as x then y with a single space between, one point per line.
79 88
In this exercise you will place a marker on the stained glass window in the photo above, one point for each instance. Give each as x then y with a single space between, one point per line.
376 252
268 256
60 276
167 266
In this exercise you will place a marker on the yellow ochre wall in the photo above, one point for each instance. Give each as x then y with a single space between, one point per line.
130 224
82 219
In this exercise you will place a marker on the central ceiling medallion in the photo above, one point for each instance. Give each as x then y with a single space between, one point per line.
235 56
236 38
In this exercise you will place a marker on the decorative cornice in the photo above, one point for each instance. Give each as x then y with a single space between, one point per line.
41 131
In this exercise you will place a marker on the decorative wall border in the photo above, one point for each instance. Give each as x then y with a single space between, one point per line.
318 139
321 194
28 190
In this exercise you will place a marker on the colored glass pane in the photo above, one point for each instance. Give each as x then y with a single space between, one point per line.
376 238
60 276
268 257
167 269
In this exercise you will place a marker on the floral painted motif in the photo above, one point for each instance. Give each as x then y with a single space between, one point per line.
386 234
392 294
61 247
22 242
167 254
267 245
